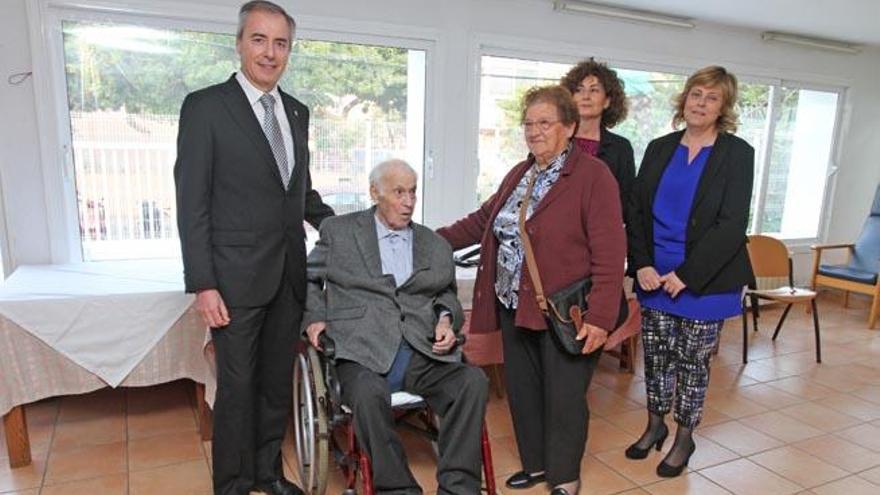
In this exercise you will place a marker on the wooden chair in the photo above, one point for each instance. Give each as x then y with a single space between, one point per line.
623 342
484 350
770 258
859 274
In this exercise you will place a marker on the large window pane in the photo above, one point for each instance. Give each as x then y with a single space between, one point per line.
125 85
503 81
367 106
799 163
651 108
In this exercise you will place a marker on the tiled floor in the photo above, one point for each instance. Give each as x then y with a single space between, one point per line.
781 424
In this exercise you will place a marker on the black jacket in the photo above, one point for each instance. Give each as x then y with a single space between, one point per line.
240 230
716 259
617 152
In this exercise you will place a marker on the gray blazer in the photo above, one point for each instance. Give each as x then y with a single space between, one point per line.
366 314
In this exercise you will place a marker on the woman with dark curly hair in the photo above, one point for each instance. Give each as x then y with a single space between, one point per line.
601 101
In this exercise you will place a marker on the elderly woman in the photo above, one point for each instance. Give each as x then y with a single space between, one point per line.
601 103
571 203
687 248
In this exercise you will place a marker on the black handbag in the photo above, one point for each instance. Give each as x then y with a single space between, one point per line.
564 310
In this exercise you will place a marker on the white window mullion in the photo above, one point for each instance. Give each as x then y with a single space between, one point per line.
764 160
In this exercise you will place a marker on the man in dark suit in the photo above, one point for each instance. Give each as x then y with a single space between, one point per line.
243 191
388 300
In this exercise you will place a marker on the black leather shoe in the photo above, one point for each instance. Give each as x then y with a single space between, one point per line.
279 487
559 491
636 452
665 470
523 479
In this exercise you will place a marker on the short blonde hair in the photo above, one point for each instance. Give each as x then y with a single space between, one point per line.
713 76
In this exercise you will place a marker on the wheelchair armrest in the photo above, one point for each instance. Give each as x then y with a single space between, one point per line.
465 261
328 355
328 346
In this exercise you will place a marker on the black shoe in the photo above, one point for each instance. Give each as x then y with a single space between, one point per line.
559 491
665 470
523 479
278 487
635 452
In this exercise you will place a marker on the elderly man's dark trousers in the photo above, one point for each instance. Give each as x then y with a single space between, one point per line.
455 391
254 377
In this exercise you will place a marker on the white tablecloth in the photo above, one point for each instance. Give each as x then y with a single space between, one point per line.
30 370
104 316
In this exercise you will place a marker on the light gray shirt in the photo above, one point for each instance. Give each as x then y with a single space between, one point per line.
396 251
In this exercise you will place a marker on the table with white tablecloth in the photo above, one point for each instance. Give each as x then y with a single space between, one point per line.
72 329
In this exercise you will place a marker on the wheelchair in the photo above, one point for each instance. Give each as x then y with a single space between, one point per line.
323 428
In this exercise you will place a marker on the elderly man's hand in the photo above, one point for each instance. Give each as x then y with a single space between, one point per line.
314 331
444 336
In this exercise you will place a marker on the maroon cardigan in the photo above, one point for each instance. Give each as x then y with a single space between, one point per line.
576 231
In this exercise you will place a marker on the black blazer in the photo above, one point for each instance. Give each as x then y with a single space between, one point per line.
617 152
240 230
716 259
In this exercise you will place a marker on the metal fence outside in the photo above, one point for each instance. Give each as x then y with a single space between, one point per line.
125 184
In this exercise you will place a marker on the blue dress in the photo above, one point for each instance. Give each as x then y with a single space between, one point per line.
671 210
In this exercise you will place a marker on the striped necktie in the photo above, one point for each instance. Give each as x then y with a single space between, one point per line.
273 134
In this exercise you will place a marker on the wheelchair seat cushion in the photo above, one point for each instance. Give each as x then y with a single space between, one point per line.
399 400
406 399
848 273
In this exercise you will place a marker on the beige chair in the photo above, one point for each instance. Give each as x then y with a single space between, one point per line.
770 258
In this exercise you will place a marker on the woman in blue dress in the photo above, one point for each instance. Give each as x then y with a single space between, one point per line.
686 227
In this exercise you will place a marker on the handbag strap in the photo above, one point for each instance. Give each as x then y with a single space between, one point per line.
527 245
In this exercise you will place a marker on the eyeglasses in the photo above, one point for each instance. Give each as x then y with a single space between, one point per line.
542 125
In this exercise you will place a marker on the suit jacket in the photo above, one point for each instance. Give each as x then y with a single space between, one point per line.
366 314
716 259
617 152
240 230
576 231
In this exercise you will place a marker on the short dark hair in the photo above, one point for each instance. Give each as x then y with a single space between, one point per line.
613 86
555 95
262 6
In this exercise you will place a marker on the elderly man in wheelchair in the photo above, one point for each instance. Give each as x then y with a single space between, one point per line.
382 288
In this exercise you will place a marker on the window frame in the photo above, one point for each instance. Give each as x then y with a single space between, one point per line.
800 244
53 114
545 51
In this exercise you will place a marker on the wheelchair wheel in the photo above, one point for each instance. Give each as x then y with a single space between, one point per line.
311 427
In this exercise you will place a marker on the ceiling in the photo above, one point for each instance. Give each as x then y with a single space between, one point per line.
856 21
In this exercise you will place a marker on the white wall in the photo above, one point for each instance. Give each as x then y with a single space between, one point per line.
459 27
20 169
